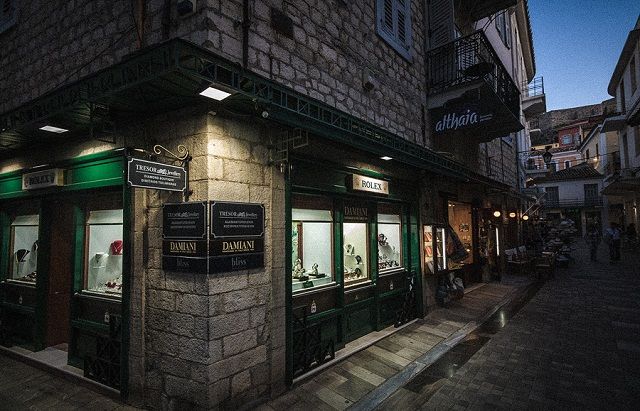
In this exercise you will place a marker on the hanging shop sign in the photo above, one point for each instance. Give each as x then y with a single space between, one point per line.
184 220
53 177
371 185
159 176
467 116
236 240
355 212
184 237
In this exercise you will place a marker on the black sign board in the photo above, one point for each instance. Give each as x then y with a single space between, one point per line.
184 220
150 174
229 220
184 233
236 254
236 236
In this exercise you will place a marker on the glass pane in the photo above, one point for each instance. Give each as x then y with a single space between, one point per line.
356 255
312 255
24 244
302 214
427 238
104 256
389 242
441 254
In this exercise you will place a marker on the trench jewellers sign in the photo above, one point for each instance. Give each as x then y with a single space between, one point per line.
449 120
150 174
371 185
236 237
184 237
42 179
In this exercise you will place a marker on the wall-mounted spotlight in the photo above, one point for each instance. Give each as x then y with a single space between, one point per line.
497 213
512 214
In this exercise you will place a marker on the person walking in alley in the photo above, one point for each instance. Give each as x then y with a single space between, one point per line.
593 240
612 238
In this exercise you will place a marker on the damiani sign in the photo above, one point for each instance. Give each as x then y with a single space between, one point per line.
461 119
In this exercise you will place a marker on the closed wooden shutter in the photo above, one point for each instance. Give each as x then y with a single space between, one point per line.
441 22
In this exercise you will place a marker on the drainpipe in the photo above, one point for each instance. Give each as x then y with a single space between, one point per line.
141 6
246 23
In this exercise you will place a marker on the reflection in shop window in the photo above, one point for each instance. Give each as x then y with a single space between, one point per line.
24 248
356 252
389 242
104 252
311 238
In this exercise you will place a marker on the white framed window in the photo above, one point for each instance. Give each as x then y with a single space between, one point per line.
567 164
7 14
393 24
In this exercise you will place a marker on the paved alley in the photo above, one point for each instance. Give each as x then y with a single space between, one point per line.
575 345
23 387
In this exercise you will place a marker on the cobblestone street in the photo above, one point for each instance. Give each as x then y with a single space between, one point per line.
575 345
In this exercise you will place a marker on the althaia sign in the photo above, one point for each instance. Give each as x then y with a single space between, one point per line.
457 120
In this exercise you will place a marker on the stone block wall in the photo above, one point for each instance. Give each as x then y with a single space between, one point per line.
334 46
200 341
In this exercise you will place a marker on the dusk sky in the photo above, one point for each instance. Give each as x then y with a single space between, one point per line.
577 44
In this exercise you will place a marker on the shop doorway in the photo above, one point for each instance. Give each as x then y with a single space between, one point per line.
464 225
59 263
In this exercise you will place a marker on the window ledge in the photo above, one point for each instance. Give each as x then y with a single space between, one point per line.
99 295
312 290
395 271
355 287
19 282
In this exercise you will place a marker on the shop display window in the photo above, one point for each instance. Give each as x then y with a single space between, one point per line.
460 222
103 268
312 248
24 248
441 248
389 242
427 242
356 252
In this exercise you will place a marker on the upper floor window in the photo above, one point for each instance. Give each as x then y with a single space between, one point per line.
623 103
567 164
633 74
7 14
567 139
393 24
503 25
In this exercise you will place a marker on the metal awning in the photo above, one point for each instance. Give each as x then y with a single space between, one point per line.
171 75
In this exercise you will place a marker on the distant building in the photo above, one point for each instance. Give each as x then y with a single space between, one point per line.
623 175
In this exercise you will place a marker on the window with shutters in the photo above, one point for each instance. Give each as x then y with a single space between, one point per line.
7 14
393 24
503 25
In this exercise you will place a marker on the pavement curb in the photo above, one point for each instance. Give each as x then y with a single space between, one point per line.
376 397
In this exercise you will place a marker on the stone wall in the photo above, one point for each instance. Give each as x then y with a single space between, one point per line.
334 45
200 341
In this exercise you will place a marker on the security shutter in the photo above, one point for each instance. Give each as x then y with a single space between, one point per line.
441 22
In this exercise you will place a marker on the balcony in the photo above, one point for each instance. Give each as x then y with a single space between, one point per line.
589 202
470 90
477 10
534 101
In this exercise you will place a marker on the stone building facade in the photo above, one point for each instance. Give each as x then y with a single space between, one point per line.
225 341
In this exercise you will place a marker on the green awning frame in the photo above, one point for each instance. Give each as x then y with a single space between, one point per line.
170 75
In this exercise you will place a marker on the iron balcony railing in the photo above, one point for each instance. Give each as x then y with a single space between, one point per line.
534 88
573 203
467 60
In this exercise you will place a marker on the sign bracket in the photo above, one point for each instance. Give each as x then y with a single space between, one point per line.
183 157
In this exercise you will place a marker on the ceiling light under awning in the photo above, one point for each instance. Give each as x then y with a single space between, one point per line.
215 93
53 129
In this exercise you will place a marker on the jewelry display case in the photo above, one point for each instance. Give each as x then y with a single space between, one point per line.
103 261
312 248
356 253
389 242
24 248
427 242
